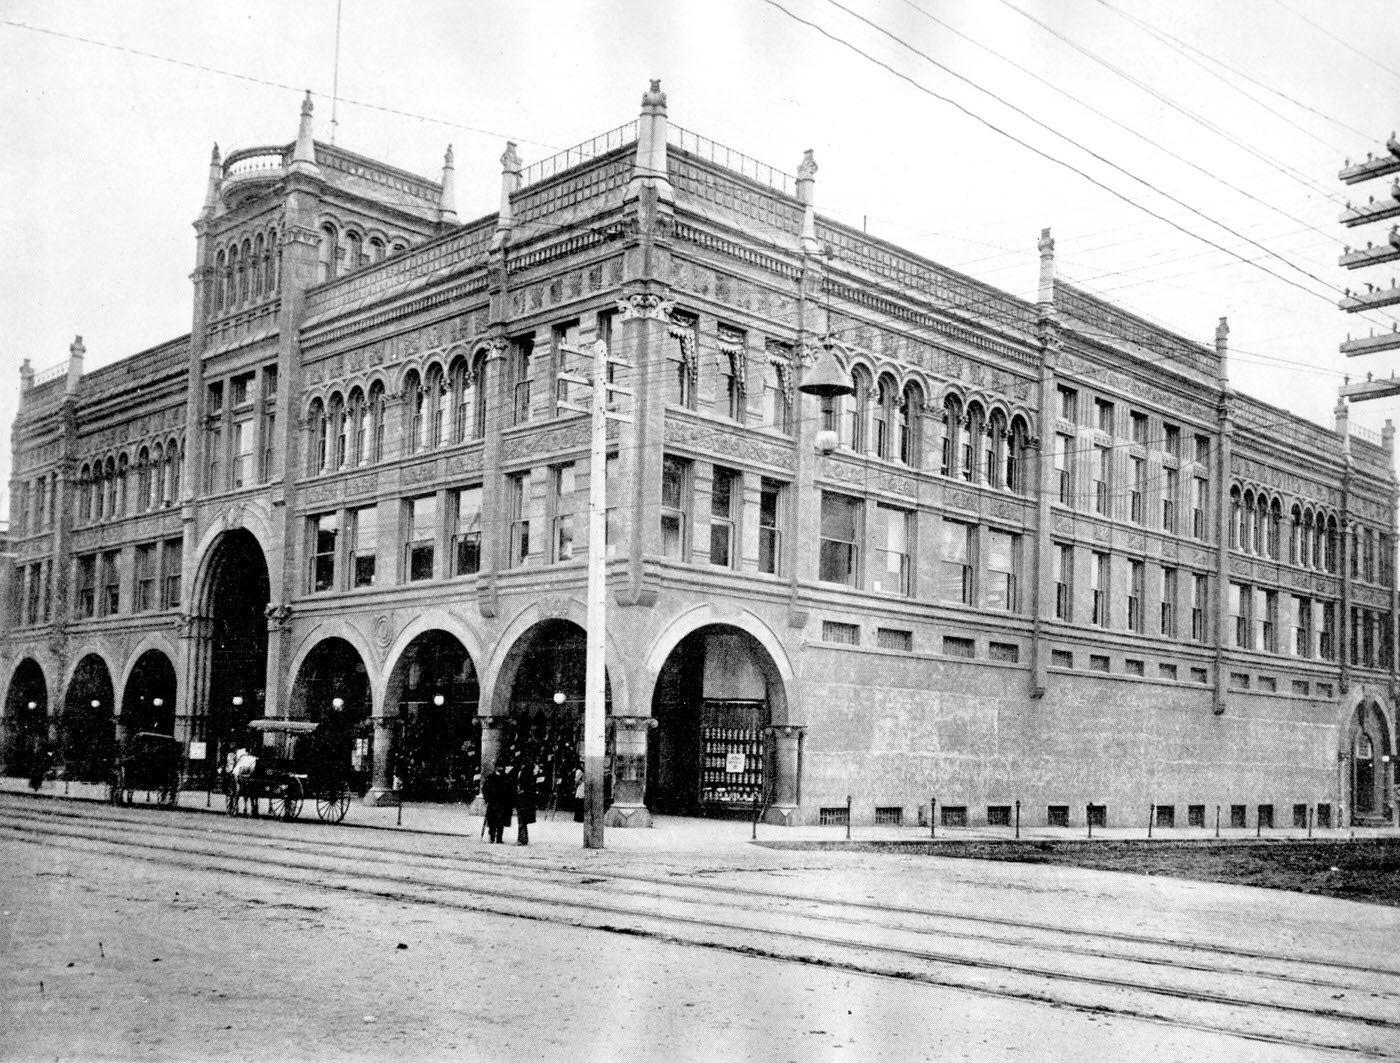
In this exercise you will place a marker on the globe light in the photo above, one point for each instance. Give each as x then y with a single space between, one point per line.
559 698
157 702
438 700
337 703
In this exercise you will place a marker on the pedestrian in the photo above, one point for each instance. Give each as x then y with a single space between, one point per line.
525 802
498 791
39 766
578 794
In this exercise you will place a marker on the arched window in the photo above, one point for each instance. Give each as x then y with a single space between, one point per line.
376 249
174 456
910 424
436 398
85 493
994 463
952 422
883 413
335 415
256 266
1294 535
1275 527
270 265
316 452
325 256
246 266
376 422
231 278
353 254
143 480
1319 534
399 247
1015 456
461 398
155 476
860 410
479 365
119 508
1236 519
969 440
357 417
1261 521
413 400
1331 545
220 281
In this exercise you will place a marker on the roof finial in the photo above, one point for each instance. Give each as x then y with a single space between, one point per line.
1046 246
447 197
649 169
211 192
304 155
510 184
806 184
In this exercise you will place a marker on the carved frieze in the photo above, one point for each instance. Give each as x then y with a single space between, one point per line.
468 461
729 443
527 444
421 473
1305 491
1081 367
363 484
429 339
322 492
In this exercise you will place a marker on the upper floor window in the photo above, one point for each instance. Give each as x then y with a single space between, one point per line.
891 571
1137 423
675 502
521 369
1103 416
1068 404
682 360
466 535
955 563
421 517
770 536
562 498
325 534
840 539
731 362
777 388
1003 570
725 497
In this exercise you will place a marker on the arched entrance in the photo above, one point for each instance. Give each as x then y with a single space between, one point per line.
148 702
332 689
1371 765
714 703
434 689
544 674
26 731
86 732
231 654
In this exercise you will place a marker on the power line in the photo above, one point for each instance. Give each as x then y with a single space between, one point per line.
1349 47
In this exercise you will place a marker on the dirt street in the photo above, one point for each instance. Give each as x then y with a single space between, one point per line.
108 957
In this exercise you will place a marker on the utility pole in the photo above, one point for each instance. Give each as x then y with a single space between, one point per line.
595 739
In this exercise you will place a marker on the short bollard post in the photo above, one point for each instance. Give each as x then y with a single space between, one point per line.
755 817
1217 821
933 817
1018 819
1258 825
1089 818
848 817
1310 812
1151 812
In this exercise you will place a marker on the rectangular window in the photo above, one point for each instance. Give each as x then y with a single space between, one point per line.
325 532
1064 449
30 577
890 572
1098 662
1240 600
1203 450
1200 489
214 445
1169 489
1169 603
841 534
1134 666
1327 641
519 523
364 545
1166 671
681 360
770 554
1200 589
269 442
466 532
730 362
843 634
562 501
675 506
1007 652
145 574
1099 473
955 566
725 494
1195 815
421 538
1266 609
1069 404
1103 416
1061 659
1268 684
888 638
1003 567
242 452
521 355
1098 584
1136 582
1138 424
1200 675
569 358
1138 471
241 390
172 561
956 646
1062 559
612 519
215 403
1171 440
111 585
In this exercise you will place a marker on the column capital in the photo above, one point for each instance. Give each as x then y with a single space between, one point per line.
786 730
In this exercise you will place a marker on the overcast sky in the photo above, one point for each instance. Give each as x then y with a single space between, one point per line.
1236 113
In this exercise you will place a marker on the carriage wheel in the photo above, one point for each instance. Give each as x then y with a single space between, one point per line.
169 793
332 806
286 804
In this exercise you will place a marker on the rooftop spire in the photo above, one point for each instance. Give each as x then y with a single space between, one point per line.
304 156
510 184
1222 351
806 185
211 192
1046 246
649 170
447 198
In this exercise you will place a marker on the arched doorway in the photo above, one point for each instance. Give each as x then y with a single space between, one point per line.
1371 764
544 674
86 729
232 651
714 702
332 689
26 731
434 688
148 702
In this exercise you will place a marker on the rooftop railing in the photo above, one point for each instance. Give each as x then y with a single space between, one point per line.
254 161
1370 435
53 372
730 159
579 153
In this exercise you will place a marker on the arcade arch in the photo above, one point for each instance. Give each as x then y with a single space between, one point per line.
1371 762
148 699
26 730
332 689
434 694
86 733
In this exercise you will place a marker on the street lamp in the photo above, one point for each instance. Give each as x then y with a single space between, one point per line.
337 703
439 700
559 697
826 379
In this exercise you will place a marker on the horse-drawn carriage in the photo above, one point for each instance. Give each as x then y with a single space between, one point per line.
147 761
290 762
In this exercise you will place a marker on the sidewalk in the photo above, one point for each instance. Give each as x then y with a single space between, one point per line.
691 834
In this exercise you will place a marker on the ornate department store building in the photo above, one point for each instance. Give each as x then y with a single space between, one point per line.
1041 553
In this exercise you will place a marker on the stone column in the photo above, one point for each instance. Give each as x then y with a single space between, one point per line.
491 727
381 784
787 765
629 772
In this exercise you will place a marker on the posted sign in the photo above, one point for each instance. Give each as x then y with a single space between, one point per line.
734 763
197 751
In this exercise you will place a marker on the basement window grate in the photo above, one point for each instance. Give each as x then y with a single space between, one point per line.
889 816
839 816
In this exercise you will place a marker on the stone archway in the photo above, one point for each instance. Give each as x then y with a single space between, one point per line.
148 700
1369 752
434 695
86 730
26 725
332 689
716 697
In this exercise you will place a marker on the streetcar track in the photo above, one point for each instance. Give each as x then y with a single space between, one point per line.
513 869
402 887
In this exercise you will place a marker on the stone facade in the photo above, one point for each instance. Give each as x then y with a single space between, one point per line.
1042 554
